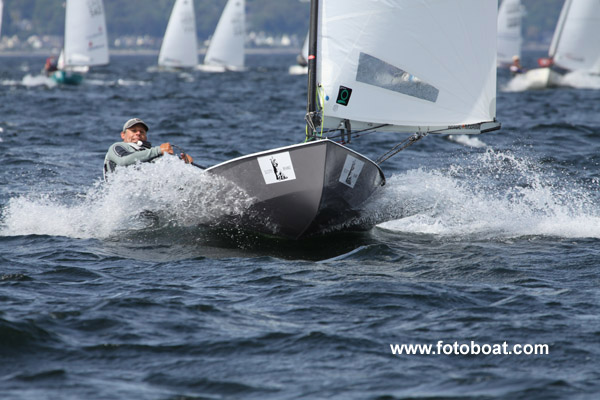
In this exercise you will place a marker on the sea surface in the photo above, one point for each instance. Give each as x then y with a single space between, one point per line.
486 242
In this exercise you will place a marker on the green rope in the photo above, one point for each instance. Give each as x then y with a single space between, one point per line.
314 131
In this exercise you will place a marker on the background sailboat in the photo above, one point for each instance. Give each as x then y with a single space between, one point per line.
1 8
575 45
510 15
226 49
398 65
179 48
302 60
85 42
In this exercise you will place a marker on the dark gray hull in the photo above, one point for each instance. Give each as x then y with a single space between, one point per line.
304 189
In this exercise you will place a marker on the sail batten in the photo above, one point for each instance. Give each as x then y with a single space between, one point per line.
428 63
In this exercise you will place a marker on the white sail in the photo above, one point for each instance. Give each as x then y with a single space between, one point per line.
1 8
226 48
86 42
304 51
422 66
576 42
301 66
179 47
60 63
510 16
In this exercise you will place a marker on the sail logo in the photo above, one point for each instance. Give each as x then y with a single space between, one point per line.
277 168
351 171
95 7
343 96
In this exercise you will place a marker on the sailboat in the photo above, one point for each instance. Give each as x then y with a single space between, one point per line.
226 48
85 42
1 9
574 46
398 65
302 60
179 48
510 39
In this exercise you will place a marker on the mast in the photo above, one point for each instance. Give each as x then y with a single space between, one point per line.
311 106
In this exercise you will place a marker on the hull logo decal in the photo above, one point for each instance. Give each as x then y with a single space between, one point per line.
276 168
351 171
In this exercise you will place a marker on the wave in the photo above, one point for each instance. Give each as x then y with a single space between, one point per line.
582 80
575 79
495 194
161 194
467 140
36 80
499 195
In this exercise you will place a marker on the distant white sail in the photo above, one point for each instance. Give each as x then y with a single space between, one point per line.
179 47
226 46
576 41
428 65
510 16
1 8
86 42
304 51
301 66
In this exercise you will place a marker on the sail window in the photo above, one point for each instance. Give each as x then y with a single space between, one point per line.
373 71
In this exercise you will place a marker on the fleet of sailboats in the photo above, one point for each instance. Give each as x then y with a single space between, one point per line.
179 48
226 48
85 41
417 68
574 45
362 76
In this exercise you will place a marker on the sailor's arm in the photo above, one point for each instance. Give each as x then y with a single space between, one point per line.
122 154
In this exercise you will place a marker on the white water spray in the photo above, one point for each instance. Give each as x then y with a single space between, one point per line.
500 196
177 193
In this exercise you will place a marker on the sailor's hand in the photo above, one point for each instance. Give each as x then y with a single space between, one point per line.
166 148
187 158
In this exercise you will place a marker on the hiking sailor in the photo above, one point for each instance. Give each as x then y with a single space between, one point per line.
135 148
515 67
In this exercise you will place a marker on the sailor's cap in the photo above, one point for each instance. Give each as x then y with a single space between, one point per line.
134 121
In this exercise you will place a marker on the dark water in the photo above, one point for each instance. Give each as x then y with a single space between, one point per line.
490 239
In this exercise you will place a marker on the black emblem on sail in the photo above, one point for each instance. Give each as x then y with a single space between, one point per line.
343 96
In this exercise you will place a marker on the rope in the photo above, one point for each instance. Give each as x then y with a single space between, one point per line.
355 134
310 118
183 151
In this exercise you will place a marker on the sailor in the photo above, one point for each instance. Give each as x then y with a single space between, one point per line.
516 67
135 148
50 66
